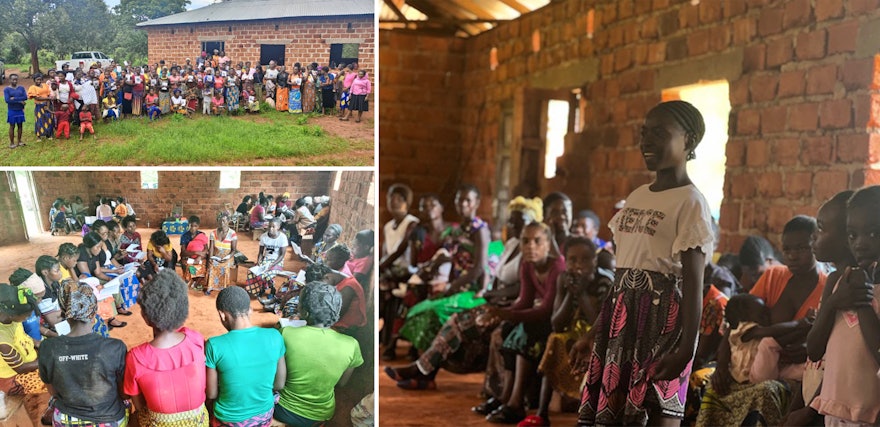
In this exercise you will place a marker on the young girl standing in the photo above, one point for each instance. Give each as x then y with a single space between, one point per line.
849 325
647 327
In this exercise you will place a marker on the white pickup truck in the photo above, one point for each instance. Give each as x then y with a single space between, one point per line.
84 60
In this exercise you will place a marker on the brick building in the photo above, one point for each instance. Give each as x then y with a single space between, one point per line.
802 76
197 192
327 31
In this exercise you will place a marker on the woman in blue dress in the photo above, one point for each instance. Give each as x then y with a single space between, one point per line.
15 97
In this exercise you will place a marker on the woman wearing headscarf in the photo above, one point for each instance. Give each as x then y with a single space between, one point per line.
82 360
18 357
318 359
221 247
331 236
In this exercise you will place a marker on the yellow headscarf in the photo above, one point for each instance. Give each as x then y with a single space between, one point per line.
533 208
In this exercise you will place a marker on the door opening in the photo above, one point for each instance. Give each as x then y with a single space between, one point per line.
27 196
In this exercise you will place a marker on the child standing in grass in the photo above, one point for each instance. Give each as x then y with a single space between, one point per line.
217 103
207 93
62 120
85 123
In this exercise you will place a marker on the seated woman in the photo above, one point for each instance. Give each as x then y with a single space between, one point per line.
35 326
160 255
221 247
121 210
361 263
353 314
104 212
173 360
67 256
579 293
328 241
49 270
112 262
18 357
302 220
98 368
258 215
792 292
270 260
91 263
193 251
130 237
318 359
463 338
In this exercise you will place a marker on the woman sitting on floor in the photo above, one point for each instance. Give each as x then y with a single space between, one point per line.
91 263
193 251
222 245
18 364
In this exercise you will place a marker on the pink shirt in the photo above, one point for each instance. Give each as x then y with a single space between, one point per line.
360 86
349 78
172 379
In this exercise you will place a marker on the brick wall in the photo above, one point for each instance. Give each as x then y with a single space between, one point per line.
307 40
12 230
420 104
50 185
352 207
800 73
197 191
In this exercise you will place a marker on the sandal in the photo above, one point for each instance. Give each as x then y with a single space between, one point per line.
120 324
487 407
393 374
534 421
123 312
506 415
417 384
12 146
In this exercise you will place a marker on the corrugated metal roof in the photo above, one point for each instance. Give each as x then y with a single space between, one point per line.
249 10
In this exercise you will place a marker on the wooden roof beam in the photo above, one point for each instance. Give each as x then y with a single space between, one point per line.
515 5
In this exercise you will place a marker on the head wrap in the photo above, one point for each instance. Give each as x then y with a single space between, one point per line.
533 208
321 302
78 301
286 195
35 284
15 301
335 227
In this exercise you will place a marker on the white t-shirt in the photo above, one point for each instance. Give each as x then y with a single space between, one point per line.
655 227
271 74
394 236
272 247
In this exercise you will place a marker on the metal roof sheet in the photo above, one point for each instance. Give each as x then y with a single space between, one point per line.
249 10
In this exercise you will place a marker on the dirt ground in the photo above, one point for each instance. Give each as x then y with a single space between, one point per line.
202 313
448 405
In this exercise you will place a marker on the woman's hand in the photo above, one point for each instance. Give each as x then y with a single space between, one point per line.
721 380
580 354
671 365
854 292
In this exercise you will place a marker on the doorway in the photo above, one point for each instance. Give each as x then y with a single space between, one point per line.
27 197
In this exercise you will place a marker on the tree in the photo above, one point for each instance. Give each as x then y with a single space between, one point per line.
32 19
143 10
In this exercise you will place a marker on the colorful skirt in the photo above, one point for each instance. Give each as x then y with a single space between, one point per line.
165 102
60 419
220 274
424 320
296 104
308 97
638 324
767 400
258 92
44 125
195 418
137 103
21 384
556 366
232 98
257 284
261 420
281 98
461 344
194 271
343 100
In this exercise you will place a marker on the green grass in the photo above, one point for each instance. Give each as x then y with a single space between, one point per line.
269 138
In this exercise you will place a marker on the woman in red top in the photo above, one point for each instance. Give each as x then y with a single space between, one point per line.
173 360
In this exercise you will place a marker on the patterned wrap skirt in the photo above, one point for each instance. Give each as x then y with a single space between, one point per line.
45 123
638 324
195 418
281 98
60 419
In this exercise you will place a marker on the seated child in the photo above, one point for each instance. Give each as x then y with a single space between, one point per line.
217 103
62 120
152 101
111 107
85 123
750 334
178 102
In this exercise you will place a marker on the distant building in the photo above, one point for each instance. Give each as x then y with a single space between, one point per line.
288 31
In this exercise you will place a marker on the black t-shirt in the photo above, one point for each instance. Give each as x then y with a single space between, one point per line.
242 209
282 79
92 261
86 372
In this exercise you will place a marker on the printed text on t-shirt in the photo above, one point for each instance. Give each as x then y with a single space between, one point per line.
640 220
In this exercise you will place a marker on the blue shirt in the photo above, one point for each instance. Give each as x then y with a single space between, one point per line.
15 97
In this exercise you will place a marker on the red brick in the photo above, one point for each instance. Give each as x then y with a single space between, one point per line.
797 14
873 148
821 79
791 83
803 116
798 184
735 153
817 150
828 9
763 87
733 8
656 53
770 184
624 9
786 151
754 57
719 38
742 186
853 148
828 183
743 29
857 73
811 44
773 119
777 216
757 152
698 43
710 12
779 52
729 216
658 4
739 92
836 113
748 122
859 7
865 104
872 177
770 21
754 217
842 37
688 16
623 59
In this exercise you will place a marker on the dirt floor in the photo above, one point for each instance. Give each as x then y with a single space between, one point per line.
448 405
202 313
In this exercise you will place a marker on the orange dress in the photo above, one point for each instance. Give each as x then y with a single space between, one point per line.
771 284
